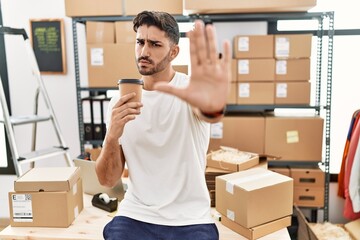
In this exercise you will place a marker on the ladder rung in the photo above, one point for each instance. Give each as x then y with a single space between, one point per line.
41 154
28 119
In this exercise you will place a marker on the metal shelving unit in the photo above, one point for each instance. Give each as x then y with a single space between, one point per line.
272 20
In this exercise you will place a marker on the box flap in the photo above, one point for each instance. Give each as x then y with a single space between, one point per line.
48 179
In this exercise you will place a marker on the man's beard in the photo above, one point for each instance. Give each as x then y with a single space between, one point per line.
155 69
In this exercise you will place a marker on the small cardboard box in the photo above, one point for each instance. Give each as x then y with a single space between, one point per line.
46 197
292 46
258 231
231 159
100 32
297 93
254 46
244 197
292 70
309 196
80 8
308 177
255 93
250 70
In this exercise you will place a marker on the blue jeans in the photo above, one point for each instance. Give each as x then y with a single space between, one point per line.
124 228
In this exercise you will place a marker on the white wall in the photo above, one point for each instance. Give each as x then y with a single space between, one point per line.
60 87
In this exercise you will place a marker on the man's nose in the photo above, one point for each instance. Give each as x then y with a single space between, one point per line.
145 50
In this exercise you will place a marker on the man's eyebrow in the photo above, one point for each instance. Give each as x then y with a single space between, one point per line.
154 41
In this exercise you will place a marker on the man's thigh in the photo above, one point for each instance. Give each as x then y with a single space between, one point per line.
124 228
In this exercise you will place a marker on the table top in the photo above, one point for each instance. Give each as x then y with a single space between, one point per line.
91 221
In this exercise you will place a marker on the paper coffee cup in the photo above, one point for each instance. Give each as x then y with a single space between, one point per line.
131 85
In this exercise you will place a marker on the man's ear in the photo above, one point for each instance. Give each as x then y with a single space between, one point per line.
174 51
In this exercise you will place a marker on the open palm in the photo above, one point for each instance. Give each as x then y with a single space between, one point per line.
210 74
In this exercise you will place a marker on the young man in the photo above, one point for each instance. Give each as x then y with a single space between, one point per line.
164 139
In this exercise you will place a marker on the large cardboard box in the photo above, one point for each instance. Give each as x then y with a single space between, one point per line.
46 197
244 132
80 8
234 66
292 93
133 7
231 159
232 96
243 197
258 231
292 69
256 70
294 138
254 46
255 93
243 6
107 63
124 32
100 32
292 46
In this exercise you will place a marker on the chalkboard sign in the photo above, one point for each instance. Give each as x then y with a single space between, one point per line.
47 39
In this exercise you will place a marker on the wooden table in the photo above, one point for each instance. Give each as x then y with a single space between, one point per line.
90 223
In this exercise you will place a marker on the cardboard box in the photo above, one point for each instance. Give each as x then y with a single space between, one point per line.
255 93
294 138
308 177
251 128
80 8
309 196
181 68
253 46
292 93
292 70
250 70
292 46
244 6
258 231
307 231
100 32
232 96
234 70
133 7
243 197
283 171
124 32
231 159
46 197
107 63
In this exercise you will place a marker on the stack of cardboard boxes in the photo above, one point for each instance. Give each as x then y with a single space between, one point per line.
46 197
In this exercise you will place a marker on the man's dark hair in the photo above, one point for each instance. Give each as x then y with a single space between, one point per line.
162 20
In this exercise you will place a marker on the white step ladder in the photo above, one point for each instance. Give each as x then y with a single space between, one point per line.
11 121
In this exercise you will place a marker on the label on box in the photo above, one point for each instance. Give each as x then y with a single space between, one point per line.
22 207
244 90
292 136
243 44
281 90
243 67
230 214
97 56
281 67
216 130
282 47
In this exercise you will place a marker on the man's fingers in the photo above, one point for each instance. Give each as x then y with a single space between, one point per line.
124 99
211 41
200 41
